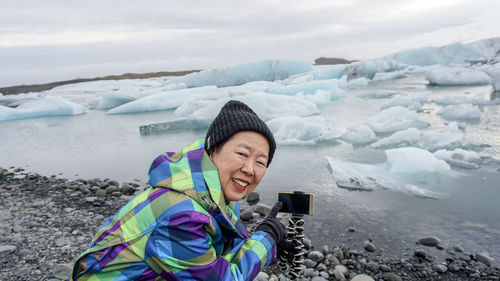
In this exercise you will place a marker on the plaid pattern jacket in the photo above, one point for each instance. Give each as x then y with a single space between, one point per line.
180 229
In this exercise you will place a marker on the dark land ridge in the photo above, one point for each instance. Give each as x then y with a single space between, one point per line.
46 222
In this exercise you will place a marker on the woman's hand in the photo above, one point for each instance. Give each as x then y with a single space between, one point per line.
272 226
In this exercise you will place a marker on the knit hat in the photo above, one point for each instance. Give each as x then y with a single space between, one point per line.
234 117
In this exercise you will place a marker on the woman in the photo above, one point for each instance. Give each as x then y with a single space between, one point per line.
186 226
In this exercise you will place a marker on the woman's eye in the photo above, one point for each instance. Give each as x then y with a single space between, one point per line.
261 163
241 153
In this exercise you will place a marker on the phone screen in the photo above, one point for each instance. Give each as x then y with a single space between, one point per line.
296 203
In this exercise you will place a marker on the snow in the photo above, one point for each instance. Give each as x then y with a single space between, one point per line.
269 70
458 112
413 101
302 130
359 133
395 119
408 137
494 74
166 100
47 106
459 158
456 76
410 160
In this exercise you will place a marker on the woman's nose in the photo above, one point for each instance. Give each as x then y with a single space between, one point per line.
247 168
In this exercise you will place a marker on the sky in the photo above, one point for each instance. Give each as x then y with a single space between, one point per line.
54 40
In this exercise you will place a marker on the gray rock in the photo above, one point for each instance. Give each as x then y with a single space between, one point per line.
333 260
100 192
316 256
485 258
246 214
458 249
60 242
1 171
113 182
62 271
351 229
370 247
338 275
126 189
392 277
338 253
420 253
325 249
342 270
310 263
430 241
262 276
262 209
7 249
253 198
324 274
373 266
309 272
385 268
111 189
321 267
90 199
362 277
318 278
95 188
440 268
307 244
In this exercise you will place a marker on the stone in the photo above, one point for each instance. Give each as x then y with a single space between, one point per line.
458 249
342 270
262 276
351 229
338 275
325 249
1 171
262 209
253 198
246 214
362 277
385 268
440 268
7 249
62 271
430 241
370 247
309 272
318 278
113 182
392 277
90 199
420 253
126 189
316 256
333 260
310 263
100 192
307 244
338 253
485 258
321 267
373 266
111 189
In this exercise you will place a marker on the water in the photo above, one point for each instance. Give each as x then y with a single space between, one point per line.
110 146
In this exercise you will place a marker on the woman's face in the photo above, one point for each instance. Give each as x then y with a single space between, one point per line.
242 163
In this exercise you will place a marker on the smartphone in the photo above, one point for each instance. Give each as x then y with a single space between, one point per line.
296 203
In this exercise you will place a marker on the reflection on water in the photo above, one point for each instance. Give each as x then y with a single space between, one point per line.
110 146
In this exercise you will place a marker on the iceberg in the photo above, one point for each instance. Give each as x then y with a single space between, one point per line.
494 74
383 76
479 99
167 100
395 119
408 137
15 100
456 112
413 101
321 97
459 158
302 130
363 177
269 70
359 134
369 68
47 106
110 100
457 76
310 87
409 160
379 94
324 72
449 138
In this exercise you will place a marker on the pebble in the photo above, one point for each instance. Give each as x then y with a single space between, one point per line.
420 253
7 249
262 209
338 274
262 276
246 214
485 258
430 241
392 277
316 256
362 277
440 268
370 247
318 278
253 198
1 171
351 229
62 271
310 263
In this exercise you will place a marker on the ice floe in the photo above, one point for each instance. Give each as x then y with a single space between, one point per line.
15 100
409 160
457 76
47 106
269 70
413 101
460 158
478 99
395 119
408 137
359 133
458 112
382 76
369 68
302 130
449 138
494 73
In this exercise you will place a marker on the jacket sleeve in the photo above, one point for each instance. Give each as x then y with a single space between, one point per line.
181 249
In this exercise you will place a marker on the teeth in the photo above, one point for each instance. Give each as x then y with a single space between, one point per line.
244 184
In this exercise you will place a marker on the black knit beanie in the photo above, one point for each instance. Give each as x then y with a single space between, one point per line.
234 117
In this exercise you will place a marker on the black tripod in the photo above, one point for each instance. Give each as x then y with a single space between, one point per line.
295 237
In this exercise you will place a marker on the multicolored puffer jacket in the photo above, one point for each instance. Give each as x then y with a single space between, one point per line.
180 229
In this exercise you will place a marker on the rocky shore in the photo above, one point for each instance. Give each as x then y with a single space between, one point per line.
46 222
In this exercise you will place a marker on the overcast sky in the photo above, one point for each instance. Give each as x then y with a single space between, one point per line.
52 40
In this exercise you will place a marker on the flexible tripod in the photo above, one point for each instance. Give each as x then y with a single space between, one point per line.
295 237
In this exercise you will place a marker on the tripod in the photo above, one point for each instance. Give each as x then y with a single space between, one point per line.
295 237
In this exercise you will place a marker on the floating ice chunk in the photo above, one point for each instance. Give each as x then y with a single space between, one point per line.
48 106
306 88
353 83
408 137
456 112
323 72
166 100
359 133
382 76
15 100
379 95
269 70
321 97
369 68
298 78
460 158
479 99
413 101
410 160
302 130
455 76
449 138
494 74
364 177
395 119
111 100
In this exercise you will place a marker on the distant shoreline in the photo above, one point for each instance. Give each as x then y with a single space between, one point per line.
12 90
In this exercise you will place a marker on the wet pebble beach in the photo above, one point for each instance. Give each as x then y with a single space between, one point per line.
46 222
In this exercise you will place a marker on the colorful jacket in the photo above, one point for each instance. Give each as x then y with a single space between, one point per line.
180 229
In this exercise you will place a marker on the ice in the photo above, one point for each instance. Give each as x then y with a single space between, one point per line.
306 88
383 76
478 99
379 94
298 78
408 137
167 100
15 100
359 133
457 76
369 68
302 130
269 70
395 119
494 74
410 160
356 176
47 106
413 101
457 112
321 97
323 72
111 100
449 138
460 158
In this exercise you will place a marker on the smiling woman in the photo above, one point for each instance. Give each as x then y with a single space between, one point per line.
187 226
